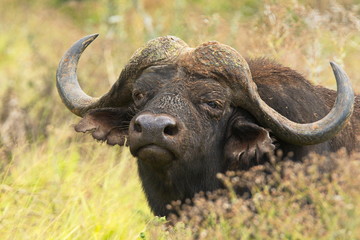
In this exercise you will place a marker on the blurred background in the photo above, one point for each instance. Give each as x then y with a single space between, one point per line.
58 184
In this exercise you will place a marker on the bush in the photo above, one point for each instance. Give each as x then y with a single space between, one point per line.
316 199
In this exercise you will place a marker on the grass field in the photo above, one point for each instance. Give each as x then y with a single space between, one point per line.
57 184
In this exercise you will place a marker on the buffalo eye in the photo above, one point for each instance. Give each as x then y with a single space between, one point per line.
214 104
138 96
213 108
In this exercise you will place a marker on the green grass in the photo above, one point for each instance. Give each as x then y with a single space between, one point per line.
57 184
61 190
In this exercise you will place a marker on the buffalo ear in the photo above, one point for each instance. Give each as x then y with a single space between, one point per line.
247 144
106 124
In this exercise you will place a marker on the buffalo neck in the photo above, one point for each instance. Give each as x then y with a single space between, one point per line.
162 187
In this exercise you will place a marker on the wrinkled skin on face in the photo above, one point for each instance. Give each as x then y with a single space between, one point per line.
200 133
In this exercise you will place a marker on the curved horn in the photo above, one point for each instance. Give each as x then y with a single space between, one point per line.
75 99
310 133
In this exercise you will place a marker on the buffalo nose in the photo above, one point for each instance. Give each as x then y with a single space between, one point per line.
156 125
154 138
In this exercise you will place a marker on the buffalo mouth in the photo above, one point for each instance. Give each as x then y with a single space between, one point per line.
155 155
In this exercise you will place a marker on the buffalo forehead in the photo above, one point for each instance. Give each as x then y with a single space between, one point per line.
172 79
156 76
168 70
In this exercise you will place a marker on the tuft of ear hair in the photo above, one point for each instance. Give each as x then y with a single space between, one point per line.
106 124
247 144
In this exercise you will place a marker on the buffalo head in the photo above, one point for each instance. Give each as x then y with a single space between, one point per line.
188 114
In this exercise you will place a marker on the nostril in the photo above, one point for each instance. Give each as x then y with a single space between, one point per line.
137 127
171 130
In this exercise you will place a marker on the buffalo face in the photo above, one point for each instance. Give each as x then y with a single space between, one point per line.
177 115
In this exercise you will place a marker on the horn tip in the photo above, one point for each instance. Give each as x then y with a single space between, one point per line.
336 68
93 36
88 39
334 65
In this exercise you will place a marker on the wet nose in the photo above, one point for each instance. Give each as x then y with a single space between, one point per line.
154 138
156 125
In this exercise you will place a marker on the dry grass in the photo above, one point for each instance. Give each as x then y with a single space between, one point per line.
56 184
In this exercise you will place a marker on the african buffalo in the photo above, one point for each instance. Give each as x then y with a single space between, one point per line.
190 113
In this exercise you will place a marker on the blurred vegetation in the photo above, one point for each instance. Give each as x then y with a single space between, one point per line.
56 184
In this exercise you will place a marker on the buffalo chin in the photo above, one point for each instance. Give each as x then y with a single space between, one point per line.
157 157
